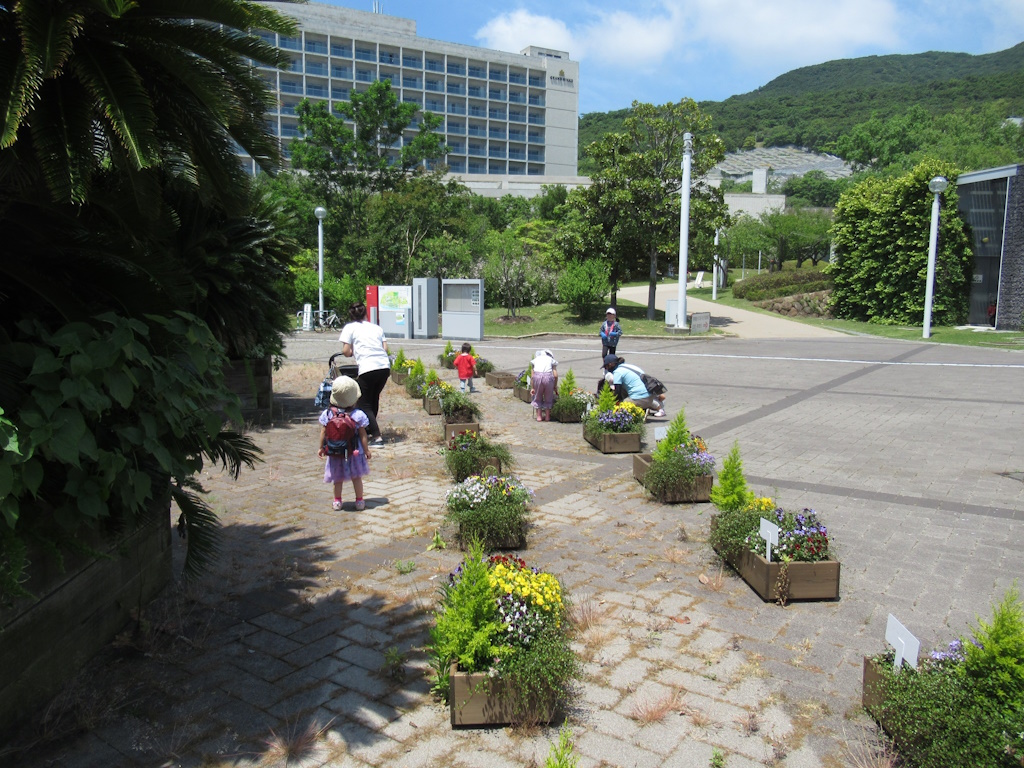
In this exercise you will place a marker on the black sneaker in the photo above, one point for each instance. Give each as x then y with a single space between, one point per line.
377 442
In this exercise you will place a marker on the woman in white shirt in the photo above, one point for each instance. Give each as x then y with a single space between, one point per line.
365 341
545 381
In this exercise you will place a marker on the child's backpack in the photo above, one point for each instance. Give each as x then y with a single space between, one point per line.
340 432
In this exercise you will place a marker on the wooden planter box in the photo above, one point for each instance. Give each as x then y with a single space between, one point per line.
871 694
432 406
477 699
523 393
491 466
399 377
500 379
807 581
567 418
611 442
698 490
451 430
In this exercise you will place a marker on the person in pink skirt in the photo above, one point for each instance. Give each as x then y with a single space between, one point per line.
351 461
545 383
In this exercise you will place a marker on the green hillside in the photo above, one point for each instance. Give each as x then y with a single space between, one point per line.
813 106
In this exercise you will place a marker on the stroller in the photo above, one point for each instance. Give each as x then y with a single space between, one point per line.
323 394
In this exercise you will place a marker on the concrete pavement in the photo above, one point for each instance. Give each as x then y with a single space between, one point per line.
911 453
738 322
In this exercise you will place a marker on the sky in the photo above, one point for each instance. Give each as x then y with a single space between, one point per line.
661 51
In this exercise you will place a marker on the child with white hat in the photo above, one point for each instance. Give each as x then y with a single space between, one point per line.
610 333
343 441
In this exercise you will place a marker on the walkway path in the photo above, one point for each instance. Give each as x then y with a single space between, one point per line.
909 451
739 322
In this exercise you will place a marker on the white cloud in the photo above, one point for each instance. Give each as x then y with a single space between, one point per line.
794 31
516 30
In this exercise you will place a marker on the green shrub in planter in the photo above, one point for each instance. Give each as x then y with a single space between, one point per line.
447 356
572 402
963 705
417 379
731 493
458 408
492 510
468 453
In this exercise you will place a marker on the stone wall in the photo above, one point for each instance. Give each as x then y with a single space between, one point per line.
801 305
1011 273
77 609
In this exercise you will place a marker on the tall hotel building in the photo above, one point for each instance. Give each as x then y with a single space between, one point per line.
505 114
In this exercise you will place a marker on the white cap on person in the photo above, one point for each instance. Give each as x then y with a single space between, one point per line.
611 311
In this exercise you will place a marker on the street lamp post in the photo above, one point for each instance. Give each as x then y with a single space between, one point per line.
684 229
320 212
937 186
714 271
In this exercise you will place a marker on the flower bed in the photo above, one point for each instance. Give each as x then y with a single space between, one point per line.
614 427
801 568
492 510
572 402
679 469
500 648
964 703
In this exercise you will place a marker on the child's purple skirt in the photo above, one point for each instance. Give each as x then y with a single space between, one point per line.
340 468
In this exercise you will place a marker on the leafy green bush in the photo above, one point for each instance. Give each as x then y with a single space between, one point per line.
582 284
467 453
339 292
772 285
572 401
458 408
962 706
731 493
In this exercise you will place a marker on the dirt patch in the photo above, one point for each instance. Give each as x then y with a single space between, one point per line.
509 320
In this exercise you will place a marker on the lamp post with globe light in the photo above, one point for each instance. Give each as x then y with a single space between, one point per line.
321 213
684 229
937 186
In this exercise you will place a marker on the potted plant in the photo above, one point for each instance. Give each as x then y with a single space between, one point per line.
963 704
484 367
501 644
491 509
400 367
572 401
434 391
416 379
679 469
523 384
470 453
801 567
447 356
613 427
460 413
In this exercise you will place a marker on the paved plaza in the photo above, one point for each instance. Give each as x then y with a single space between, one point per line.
912 453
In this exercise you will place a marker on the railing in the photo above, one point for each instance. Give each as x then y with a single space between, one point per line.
536 138
517 98
477 131
496 152
456 69
340 93
457 166
537 82
477 112
500 77
364 76
515 154
287 87
386 57
516 170
345 72
516 117
516 78
289 130
537 101
475 91
365 54
456 128
536 120
496 95
456 109
412 100
433 85
456 148
476 151
342 51
517 136
316 46
478 72
411 82
290 43
477 168
413 62
288 109
433 105
316 90
315 68
457 88
434 66
536 157
496 114
496 133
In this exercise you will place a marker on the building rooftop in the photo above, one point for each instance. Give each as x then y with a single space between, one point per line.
783 162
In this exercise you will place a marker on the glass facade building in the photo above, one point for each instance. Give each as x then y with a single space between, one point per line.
504 114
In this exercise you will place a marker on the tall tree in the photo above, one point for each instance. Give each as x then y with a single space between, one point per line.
639 177
881 238
347 165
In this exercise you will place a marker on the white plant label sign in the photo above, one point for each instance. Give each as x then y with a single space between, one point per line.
907 646
770 534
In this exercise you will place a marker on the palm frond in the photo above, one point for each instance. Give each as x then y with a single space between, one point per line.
198 524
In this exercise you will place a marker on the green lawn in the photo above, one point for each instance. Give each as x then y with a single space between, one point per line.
555 318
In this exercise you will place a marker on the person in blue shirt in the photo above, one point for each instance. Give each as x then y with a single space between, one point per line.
629 385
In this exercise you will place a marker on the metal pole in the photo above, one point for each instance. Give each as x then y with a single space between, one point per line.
937 186
321 212
714 271
684 229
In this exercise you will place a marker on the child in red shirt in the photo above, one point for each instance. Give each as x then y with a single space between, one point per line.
465 364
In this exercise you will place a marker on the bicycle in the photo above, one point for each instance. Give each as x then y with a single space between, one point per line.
326 321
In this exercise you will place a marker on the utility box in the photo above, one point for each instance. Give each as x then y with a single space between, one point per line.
424 307
462 309
394 310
